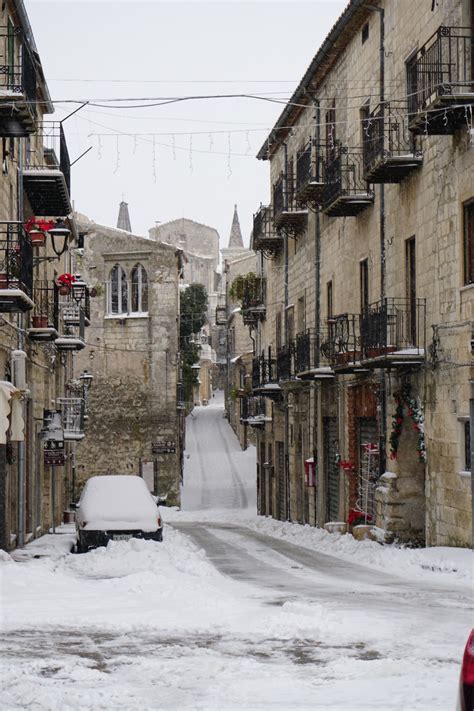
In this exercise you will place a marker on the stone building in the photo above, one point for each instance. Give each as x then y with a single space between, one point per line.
42 318
132 354
200 246
364 357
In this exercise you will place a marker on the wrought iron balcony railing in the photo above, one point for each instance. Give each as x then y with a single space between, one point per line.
393 332
441 82
253 411
264 371
288 216
44 321
48 184
72 417
347 192
286 362
16 268
17 84
310 175
265 239
253 303
389 149
313 355
344 334
221 315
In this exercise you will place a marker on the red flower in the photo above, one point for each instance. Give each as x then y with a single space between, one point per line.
65 279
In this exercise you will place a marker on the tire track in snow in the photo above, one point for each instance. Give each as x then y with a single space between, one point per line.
193 426
236 480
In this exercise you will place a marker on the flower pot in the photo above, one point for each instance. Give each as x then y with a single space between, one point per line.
64 289
39 321
3 280
38 238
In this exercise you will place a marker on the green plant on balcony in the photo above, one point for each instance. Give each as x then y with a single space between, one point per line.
246 289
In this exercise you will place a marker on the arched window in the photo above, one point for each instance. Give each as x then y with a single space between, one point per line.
118 302
139 290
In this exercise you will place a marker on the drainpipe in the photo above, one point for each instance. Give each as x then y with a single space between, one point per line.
285 321
21 346
382 387
317 449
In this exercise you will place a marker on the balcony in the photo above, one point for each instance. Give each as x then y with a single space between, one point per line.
344 336
72 417
347 193
221 316
17 85
48 186
264 375
441 82
286 363
264 237
313 351
393 333
253 301
310 176
253 411
288 217
45 314
389 148
16 269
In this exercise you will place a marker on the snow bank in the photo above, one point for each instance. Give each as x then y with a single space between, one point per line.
405 562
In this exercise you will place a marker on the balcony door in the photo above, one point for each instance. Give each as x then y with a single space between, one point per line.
411 290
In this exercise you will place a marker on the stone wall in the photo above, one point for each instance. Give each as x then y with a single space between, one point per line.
133 358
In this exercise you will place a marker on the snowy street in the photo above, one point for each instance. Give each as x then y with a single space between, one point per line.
232 611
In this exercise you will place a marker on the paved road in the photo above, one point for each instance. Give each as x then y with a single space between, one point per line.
217 474
216 479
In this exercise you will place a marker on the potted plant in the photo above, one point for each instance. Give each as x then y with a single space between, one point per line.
36 229
39 321
64 283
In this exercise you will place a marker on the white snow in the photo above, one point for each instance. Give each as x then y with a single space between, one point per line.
142 625
117 502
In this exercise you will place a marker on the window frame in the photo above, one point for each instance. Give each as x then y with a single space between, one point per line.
142 285
121 281
468 241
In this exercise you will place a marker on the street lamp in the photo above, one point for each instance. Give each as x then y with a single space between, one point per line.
78 289
59 231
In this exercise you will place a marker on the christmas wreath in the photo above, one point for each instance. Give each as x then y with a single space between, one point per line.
405 401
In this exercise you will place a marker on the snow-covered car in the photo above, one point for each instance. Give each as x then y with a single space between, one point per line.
466 681
116 507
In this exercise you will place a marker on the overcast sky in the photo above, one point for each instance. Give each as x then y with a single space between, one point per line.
193 158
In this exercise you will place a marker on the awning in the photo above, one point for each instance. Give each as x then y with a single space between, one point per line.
11 414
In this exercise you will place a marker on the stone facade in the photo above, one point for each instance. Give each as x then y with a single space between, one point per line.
133 356
33 495
399 261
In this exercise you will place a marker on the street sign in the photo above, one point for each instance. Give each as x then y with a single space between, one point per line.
165 447
54 453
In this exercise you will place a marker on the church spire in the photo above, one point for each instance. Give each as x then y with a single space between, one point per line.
123 221
235 239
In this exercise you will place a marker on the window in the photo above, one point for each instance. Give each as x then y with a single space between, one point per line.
278 329
364 285
290 324
467 446
365 33
468 210
412 84
329 295
410 257
300 315
118 299
139 290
